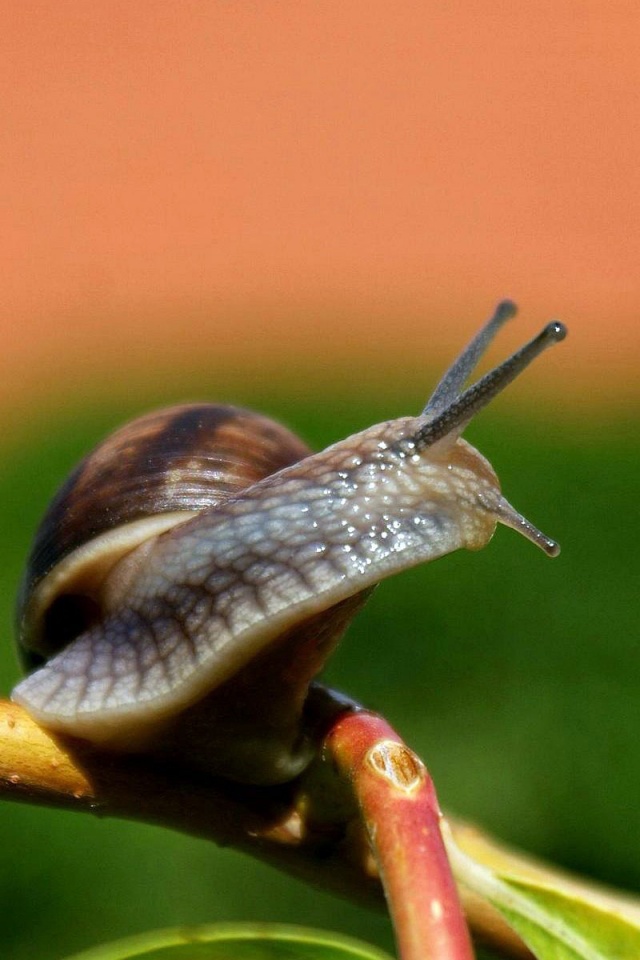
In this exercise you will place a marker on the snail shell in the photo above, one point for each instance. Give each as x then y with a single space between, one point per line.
195 571
150 475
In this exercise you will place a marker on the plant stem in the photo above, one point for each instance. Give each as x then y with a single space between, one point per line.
400 809
268 823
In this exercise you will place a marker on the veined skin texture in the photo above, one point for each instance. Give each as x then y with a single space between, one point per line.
196 603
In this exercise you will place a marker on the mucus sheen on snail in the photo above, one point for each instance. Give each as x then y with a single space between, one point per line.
195 571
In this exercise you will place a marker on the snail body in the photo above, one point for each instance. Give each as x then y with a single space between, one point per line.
195 572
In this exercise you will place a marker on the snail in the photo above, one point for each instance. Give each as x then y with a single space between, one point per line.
195 571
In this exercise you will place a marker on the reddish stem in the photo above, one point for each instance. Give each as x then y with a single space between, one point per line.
399 806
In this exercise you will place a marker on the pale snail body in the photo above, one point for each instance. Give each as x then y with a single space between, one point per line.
206 620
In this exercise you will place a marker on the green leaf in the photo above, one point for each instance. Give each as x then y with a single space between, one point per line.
240 941
557 916
557 926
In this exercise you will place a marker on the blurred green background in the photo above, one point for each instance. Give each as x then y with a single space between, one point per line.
514 676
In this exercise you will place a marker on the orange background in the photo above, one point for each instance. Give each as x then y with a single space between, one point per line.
283 184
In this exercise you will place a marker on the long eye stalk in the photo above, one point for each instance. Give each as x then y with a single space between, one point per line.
454 379
452 420
449 410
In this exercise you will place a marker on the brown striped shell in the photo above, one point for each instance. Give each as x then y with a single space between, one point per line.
152 474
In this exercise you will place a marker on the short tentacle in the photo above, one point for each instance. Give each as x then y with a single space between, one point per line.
510 517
